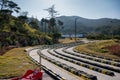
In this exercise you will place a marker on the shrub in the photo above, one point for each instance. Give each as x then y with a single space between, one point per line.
115 49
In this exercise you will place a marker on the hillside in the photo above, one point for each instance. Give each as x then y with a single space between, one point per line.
15 32
87 25
100 48
14 63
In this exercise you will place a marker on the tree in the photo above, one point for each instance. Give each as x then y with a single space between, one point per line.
13 6
52 23
52 12
3 4
8 6
44 24
60 23
23 16
24 13
34 23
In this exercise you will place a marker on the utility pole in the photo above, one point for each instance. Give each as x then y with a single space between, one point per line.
112 31
76 28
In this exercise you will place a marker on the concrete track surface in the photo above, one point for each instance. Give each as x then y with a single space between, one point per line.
102 77
64 73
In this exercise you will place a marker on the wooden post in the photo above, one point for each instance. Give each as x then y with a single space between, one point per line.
40 60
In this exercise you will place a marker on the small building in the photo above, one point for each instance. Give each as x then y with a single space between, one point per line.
72 36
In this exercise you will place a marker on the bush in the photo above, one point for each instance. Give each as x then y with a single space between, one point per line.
102 37
115 49
117 37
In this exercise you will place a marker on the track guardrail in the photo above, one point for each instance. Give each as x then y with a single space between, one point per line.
71 69
88 62
48 71
90 58
103 71
116 60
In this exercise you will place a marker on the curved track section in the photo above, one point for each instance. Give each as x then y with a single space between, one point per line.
59 71
94 68
116 77
93 55
99 75
109 67
65 64
109 62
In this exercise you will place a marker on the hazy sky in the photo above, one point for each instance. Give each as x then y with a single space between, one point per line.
92 9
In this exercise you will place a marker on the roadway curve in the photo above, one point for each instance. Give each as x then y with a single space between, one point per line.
71 50
63 73
60 51
99 75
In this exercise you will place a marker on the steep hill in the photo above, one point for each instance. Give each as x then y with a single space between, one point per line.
14 31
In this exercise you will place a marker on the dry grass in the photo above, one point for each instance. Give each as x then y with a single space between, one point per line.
68 40
14 63
97 48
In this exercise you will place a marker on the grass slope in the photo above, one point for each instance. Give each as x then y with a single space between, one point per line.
14 63
98 48
68 40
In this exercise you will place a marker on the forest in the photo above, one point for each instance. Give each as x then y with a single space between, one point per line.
22 31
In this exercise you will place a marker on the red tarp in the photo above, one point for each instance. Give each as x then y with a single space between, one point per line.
30 75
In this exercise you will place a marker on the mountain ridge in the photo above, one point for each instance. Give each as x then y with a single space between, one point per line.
85 25
89 18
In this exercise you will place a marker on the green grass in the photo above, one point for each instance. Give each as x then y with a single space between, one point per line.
31 30
98 48
14 63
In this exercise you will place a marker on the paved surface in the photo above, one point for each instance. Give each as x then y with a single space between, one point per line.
46 76
34 55
102 77
63 73
60 50
71 50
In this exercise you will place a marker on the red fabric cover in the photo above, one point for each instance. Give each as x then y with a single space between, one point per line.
36 76
28 72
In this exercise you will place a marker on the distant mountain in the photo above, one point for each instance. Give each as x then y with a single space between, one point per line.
87 25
